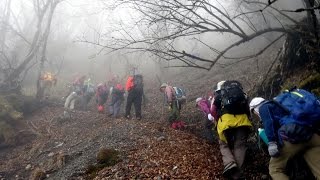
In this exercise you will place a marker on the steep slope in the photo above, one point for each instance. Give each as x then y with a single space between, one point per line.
64 149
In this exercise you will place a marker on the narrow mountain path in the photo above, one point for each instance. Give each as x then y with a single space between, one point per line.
149 148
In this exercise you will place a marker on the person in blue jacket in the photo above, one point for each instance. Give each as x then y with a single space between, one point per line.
285 140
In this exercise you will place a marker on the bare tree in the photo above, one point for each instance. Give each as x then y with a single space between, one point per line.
12 72
3 31
192 20
45 36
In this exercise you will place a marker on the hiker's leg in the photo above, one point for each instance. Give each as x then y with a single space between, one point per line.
82 102
116 108
312 155
225 149
240 144
137 104
87 101
207 127
277 165
129 102
227 156
173 113
178 105
111 106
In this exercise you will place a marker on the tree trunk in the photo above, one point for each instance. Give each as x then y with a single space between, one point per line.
13 76
40 89
7 13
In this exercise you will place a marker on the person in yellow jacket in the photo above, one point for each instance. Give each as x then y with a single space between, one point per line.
233 130
47 81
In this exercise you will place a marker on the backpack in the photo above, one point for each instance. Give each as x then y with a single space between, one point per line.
302 106
130 83
180 94
233 99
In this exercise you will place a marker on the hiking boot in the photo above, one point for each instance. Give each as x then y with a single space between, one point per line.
237 175
230 169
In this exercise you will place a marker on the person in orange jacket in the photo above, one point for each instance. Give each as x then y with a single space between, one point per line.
134 86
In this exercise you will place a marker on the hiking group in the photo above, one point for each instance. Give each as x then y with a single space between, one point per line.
291 129
290 121
108 96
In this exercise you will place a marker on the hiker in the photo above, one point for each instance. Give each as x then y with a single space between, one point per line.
291 122
101 96
112 82
77 91
89 91
207 108
173 103
47 80
203 105
117 97
233 126
134 86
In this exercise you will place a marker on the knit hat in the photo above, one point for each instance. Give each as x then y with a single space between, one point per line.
163 85
255 102
198 100
219 85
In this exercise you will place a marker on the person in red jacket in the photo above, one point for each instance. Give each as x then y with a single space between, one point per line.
134 86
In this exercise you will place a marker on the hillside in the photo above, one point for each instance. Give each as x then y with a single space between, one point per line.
65 149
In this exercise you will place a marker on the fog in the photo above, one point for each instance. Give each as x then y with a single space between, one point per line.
89 37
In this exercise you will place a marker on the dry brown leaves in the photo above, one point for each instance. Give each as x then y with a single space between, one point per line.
179 155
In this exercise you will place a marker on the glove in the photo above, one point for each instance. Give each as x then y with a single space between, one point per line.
210 117
273 149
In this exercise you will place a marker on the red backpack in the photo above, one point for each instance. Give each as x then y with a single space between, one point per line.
130 83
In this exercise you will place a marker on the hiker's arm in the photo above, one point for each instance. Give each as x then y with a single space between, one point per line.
269 122
248 110
168 92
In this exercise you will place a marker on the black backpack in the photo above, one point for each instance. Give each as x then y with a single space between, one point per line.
233 99
138 82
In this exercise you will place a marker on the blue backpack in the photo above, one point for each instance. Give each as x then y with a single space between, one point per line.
180 94
303 107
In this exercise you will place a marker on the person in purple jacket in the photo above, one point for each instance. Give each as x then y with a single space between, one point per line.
204 106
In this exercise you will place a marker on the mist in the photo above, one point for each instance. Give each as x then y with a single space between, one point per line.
82 35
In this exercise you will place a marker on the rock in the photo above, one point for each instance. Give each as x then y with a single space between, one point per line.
51 154
58 145
28 167
107 156
161 138
174 168
38 174
60 160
